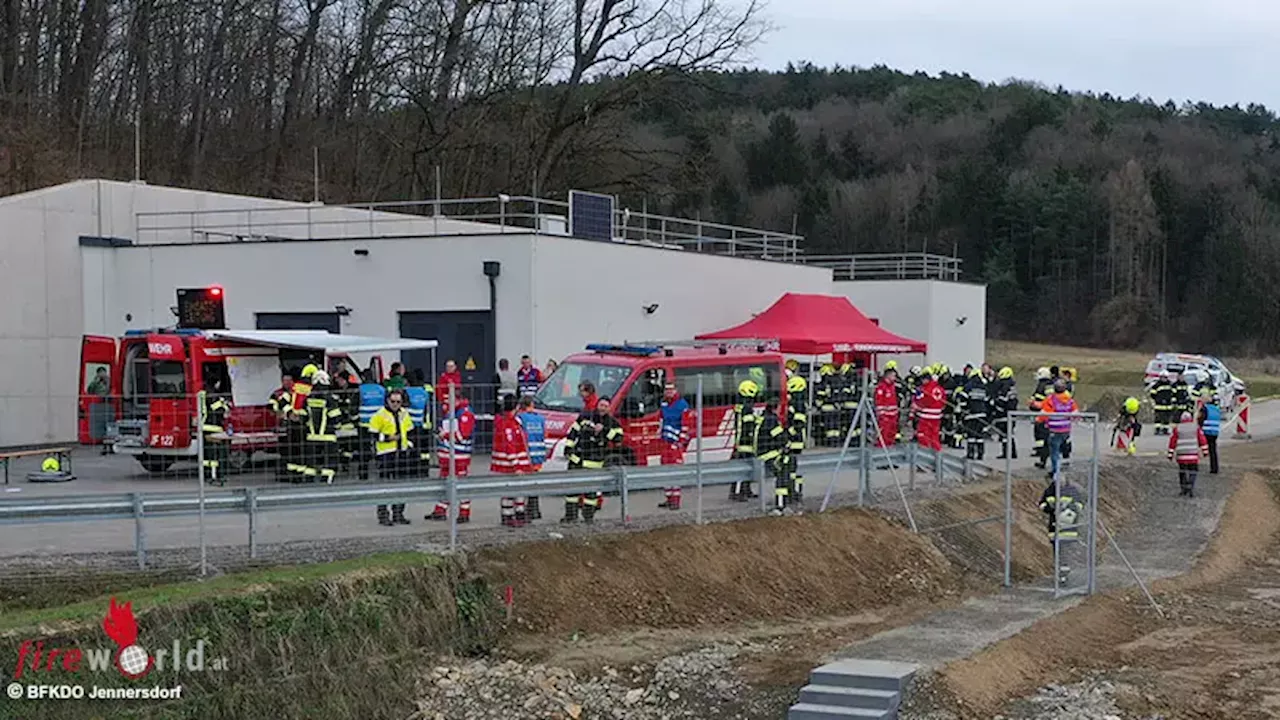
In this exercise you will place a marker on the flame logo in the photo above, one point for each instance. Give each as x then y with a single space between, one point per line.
122 628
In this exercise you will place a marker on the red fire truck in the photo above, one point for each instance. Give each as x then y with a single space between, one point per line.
634 377
154 377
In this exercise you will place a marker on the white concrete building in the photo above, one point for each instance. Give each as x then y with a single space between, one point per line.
99 257
950 317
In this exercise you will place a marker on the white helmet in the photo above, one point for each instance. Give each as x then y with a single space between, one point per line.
320 378
1042 373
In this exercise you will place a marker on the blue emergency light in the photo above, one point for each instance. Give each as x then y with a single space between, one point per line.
624 349
185 332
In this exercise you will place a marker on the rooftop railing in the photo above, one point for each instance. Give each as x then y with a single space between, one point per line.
889 266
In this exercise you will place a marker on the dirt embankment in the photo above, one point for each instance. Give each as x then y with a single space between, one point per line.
1112 630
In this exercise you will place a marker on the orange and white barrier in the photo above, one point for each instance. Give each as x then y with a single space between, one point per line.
1242 417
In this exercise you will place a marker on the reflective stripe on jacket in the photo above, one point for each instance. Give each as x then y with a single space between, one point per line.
1059 403
1187 443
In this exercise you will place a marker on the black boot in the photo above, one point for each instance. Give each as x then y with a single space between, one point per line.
589 514
534 508
397 515
384 517
570 513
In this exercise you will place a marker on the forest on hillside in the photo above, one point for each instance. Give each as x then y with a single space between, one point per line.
1093 219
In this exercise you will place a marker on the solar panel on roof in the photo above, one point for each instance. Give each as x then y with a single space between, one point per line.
590 216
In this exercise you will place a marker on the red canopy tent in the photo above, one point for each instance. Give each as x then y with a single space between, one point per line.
805 324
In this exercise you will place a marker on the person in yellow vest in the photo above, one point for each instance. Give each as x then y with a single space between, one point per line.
390 427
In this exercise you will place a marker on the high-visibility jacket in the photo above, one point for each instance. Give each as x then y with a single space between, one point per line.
456 431
1059 403
1187 443
745 422
677 420
976 399
587 447
770 438
323 415
373 397
216 410
391 430
1181 396
528 380
510 446
535 431
1064 506
420 399
1211 420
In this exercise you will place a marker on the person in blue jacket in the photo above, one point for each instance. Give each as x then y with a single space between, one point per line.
535 429
373 395
1211 424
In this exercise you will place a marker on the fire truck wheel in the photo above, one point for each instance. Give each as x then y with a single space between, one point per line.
155 463
238 460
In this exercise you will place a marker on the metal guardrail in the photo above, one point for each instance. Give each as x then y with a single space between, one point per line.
445 217
621 480
888 266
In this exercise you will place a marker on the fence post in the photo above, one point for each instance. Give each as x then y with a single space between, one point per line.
911 461
1010 427
698 451
939 470
451 428
757 477
202 405
1093 510
623 495
139 532
251 504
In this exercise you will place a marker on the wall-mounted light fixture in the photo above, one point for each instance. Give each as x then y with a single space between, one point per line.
361 252
342 310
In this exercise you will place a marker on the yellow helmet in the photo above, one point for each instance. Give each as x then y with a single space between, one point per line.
975 372
50 465
891 365
1131 406
943 369
1005 373
309 370
846 368
827 369
748 389
797 384
1042 373
793 365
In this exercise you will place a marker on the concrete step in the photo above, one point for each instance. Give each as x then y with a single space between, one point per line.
864 674
849 697
807 711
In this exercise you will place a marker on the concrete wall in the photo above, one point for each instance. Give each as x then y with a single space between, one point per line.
926 310
588 291
418 274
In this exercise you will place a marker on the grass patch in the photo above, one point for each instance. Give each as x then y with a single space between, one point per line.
46 613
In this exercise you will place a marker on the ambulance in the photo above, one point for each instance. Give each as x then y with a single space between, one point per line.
153 378
634 377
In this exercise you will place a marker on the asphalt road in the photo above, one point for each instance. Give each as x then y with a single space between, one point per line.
115 474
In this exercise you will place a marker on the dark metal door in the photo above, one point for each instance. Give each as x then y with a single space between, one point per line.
463 338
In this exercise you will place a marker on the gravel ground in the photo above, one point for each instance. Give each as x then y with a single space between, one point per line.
698 684
1096 698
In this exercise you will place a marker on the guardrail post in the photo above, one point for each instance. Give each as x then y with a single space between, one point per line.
623 494
967 472
911 461
757 477
939 470
139 532
251 505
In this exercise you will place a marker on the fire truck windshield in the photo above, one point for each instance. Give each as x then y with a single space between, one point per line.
560 391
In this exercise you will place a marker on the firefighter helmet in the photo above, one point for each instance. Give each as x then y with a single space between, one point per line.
943 369
1042 373
915 370
975 372
891 365
1006 372
309 370
793 365
1131 406
50 465
796 384
748 389
846 368
827 369
320 377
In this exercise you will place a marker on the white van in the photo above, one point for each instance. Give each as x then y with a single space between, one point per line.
1198 368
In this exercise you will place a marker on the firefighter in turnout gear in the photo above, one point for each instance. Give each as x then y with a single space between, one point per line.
1064 507
827 397
390 427
347 399
797 434
850 396
323 415
957 403
1182 400
770 443
1044 386
975 416
217 410
594 437
1004 400
745 422
1127 428
1162 400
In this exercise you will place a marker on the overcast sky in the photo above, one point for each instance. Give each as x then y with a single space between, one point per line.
1221 51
